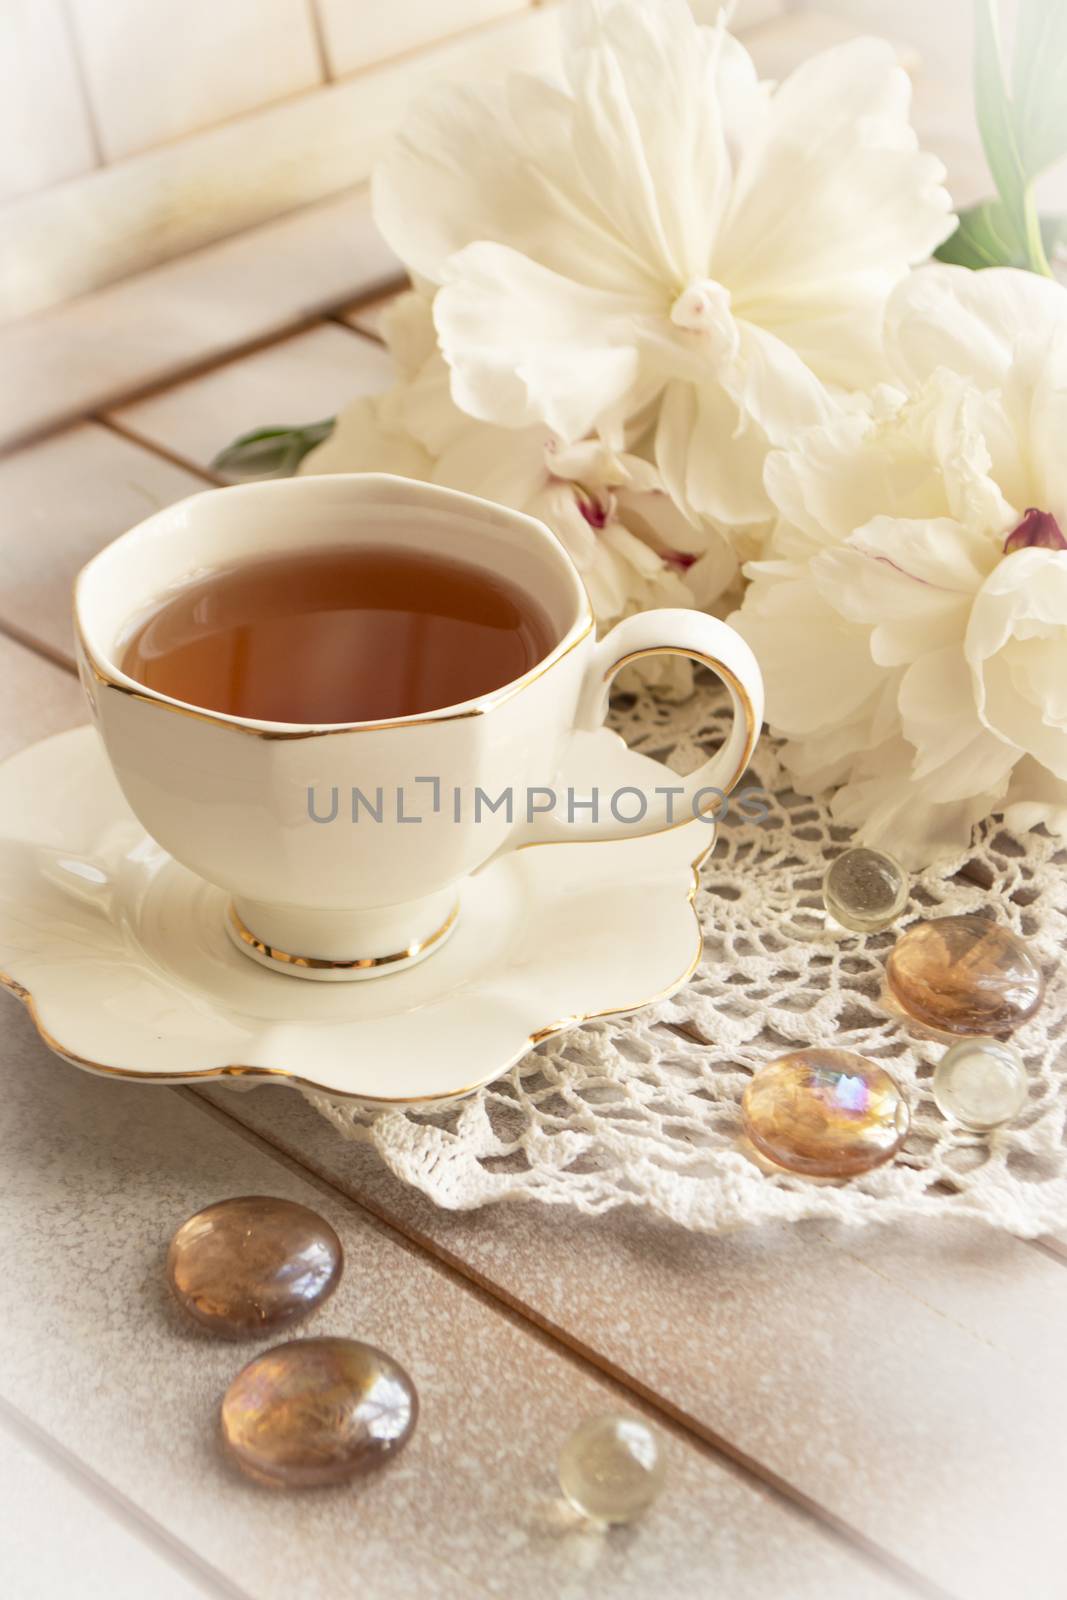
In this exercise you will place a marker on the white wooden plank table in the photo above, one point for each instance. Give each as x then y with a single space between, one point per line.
870 1414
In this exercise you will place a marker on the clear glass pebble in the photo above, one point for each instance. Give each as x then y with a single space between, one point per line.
980 1083
826 1113
611 1468
965 975
317 1411
865 890
247 1266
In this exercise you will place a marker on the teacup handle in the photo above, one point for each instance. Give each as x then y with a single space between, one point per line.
668 632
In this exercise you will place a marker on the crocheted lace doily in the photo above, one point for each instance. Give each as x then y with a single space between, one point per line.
645 1110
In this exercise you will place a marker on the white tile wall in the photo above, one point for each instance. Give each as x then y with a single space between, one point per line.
358 32
158 69
44 129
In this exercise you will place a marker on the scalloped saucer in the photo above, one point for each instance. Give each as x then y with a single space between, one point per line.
123 958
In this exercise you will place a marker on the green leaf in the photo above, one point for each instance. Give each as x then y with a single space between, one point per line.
996 123
271 452
1039 84
986 237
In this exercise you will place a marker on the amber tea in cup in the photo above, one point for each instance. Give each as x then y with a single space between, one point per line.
351 634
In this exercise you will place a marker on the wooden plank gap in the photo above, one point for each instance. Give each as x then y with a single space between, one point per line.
39 647
1055 1249
249 347
146 391
105 420
182 1557
338 321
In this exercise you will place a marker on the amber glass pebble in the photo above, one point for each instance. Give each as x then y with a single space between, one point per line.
965 975
317 1411
826 1113
247 1266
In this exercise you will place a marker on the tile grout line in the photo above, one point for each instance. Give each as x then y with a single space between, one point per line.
92 122
680 1423
145 1527
318 35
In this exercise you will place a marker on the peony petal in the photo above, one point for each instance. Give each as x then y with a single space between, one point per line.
361 442
648 136
709 459
472 164
835 477
956 756
893 812
833 190
912 582
1016 647
556 505
713 575
408 331
816 667
443 183
773 388
1035 797
1036 398
967 321
504 464
526 345
832 326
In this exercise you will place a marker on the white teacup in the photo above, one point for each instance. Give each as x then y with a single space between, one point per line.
246 804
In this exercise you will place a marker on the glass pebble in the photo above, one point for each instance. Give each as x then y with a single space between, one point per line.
865 890
317 1411
826 1113
612 1468
980 1083
246 1266
965 975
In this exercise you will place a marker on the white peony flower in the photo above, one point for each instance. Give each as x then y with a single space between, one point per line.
633 547
661 241
911 615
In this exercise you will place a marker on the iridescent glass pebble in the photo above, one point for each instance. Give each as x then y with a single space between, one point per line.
980 1083
611 1468
865 890
247 1266
965 975
826 1113
317 1411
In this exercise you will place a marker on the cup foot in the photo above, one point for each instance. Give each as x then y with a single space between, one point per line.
332 970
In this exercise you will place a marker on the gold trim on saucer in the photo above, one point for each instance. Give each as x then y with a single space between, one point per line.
319 964
235 1070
